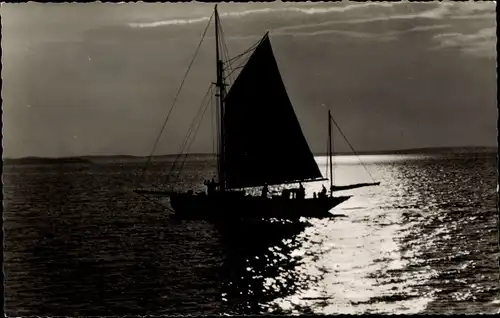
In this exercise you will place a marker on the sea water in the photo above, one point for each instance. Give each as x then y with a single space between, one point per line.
78 241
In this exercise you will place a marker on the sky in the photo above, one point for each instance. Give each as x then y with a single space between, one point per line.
99 79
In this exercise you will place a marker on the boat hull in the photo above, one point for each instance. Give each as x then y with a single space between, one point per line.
226 207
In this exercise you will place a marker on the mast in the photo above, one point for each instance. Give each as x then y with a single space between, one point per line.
220 86
330 150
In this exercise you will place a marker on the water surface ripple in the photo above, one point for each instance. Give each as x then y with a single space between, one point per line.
78 242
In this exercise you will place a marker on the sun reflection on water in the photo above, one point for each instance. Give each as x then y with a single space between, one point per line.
343 258
346 256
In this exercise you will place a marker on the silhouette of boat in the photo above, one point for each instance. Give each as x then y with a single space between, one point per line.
256 126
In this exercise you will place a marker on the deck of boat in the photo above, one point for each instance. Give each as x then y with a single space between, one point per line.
237 206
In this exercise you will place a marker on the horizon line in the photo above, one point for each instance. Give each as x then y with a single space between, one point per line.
365 152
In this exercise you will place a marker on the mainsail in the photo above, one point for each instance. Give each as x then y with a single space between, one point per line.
264 143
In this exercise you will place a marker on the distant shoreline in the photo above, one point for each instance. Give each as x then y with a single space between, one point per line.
413 151
43 161
90 159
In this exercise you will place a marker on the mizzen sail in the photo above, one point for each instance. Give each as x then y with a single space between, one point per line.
264 142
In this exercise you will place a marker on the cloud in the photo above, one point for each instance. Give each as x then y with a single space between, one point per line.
479 44
340 8
426 28
442 10
386 36
352 14
168 22
307 11
451 10
352 34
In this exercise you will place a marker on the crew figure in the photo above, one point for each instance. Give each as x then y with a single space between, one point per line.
322 194
210 186
265 191
302 192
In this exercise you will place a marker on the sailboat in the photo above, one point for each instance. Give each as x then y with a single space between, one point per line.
260 144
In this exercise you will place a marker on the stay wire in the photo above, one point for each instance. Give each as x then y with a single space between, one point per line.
201 112
192 139
179 153
179 156
213 127
327 157
208 93
332 150
174 102
241 65
186 138
233 59
156 202
345 138
218 123
193 136
230 61
225 52
189 132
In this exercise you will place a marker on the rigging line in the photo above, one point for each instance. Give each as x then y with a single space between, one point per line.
233 59
345 138
218 123
225 51
215 134
183 144
175 99
199 117
235 69
241 65
194 136
213 106
208 93
179 154
156 202
192 140
229 69
333 155
219 105
327 157
202 107
124 183
230 66
251 48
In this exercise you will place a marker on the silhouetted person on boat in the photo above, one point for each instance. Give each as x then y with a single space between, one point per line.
285 194
314 195
207 183
265 191
322 194
301 194
210 186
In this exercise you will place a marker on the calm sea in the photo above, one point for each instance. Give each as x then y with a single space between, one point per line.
79 242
